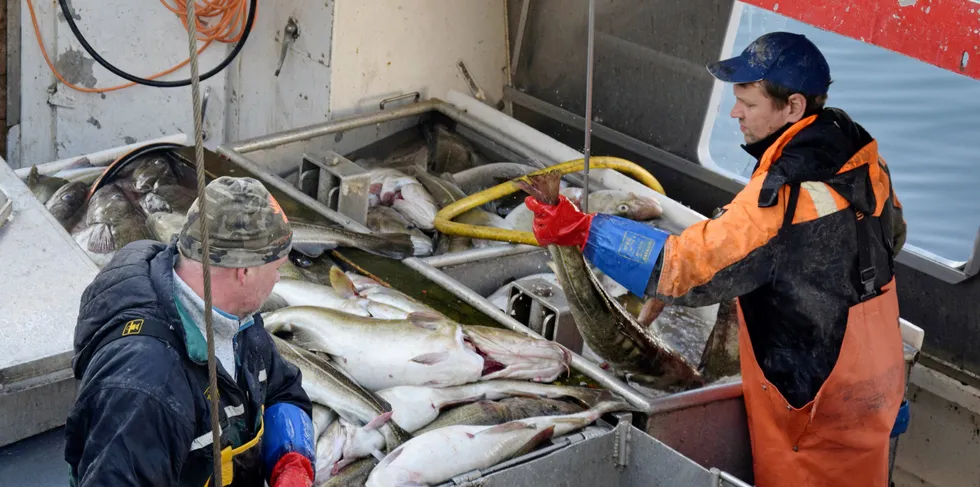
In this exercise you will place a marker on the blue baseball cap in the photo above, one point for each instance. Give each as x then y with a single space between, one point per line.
781 58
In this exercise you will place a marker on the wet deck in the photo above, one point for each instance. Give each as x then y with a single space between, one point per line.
36 461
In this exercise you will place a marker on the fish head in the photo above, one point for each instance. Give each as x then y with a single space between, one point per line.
511 355
108 204
150 173
638 208
67 200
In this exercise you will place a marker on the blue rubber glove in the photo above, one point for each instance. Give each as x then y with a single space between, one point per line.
625 250
288 429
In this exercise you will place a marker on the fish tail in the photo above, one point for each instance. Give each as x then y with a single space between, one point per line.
392 245
101 240
542 187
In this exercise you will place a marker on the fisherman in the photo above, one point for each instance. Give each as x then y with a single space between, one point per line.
807 248
142 415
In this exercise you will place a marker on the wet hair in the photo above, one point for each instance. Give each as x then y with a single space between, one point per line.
780 98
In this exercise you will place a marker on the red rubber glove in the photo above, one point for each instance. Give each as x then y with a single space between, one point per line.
292 470
562 224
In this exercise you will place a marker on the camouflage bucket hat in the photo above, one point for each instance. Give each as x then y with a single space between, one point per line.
247 226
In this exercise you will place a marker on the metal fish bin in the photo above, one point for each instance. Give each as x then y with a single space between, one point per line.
312 172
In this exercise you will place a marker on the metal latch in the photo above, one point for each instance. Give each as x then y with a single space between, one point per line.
289 35
541 306
6 208
336 182
204 113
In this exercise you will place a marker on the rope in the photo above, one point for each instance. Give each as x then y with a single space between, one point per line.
230 25
206 247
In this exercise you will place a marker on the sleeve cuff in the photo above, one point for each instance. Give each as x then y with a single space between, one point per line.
625 250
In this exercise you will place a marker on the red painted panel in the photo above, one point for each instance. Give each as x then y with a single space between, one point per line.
944 33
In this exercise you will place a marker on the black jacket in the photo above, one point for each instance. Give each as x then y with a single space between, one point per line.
795 279
142 412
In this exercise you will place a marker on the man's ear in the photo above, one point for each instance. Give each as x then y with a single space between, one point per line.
242 275
797 107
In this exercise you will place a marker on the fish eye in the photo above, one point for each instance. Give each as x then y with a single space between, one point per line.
623 208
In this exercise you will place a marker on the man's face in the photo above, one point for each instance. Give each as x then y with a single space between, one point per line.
256 285
757 115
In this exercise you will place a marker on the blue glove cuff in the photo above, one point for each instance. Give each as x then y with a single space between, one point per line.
902 421
287 429
625 250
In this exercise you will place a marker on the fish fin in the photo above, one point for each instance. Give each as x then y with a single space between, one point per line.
536 440
341 283
391 457
101 240
542 187
506 427
553 267
378 422
650 312
425 319
431 358
33 176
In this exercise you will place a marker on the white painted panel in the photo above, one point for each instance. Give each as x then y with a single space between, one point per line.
390 47
140 38
261 103
36 126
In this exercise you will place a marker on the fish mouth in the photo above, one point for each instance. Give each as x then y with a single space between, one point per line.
503 363
489 364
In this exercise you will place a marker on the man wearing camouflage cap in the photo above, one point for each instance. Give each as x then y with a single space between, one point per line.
142 415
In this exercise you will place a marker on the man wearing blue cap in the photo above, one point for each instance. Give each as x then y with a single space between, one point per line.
807 248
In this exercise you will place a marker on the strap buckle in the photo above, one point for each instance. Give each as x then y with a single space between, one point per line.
868 281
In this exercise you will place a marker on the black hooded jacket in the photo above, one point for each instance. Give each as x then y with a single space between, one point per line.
142 413
795 278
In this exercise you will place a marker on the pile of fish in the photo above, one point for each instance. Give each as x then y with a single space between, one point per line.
147 199
405 396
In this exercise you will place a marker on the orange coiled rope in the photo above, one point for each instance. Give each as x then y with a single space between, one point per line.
216 21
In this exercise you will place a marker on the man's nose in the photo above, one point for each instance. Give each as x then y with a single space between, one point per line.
736 112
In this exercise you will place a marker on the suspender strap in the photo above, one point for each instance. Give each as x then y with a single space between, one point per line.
866 262
138 327
794 197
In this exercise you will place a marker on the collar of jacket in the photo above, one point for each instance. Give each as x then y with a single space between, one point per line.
194 341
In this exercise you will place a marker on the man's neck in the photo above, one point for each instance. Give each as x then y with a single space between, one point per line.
758 148
194 279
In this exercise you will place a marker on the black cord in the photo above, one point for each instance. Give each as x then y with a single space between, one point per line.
149 82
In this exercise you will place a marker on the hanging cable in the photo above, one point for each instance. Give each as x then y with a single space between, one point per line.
234 24
202 202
